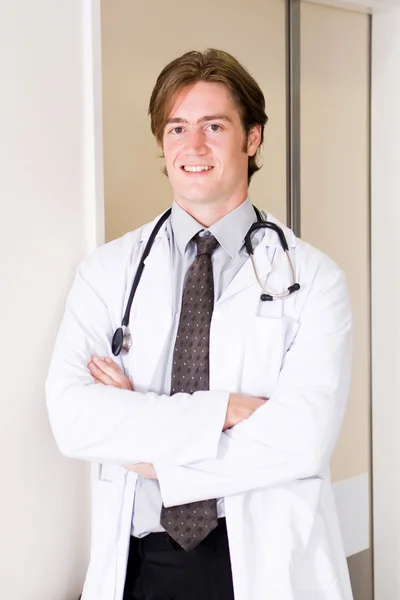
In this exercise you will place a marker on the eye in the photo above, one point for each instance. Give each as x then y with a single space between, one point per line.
214 127
176 130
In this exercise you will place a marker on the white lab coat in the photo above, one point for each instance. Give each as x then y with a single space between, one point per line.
272 469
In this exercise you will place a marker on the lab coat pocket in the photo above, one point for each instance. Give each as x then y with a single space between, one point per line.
264 350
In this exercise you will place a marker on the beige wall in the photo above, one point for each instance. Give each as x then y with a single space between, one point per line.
335 217
138 39
335 187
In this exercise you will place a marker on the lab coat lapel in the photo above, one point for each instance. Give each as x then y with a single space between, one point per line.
245 278
151 315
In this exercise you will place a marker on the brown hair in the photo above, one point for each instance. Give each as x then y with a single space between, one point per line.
214 66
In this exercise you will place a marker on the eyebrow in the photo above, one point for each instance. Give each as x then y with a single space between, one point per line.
204 119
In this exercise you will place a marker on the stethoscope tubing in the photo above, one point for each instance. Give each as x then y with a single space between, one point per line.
139 271
122 338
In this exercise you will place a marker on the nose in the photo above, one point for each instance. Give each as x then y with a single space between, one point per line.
195 143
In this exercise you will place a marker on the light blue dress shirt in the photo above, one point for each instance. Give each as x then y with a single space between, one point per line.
227 260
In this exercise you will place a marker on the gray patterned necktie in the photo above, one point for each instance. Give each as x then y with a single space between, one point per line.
189 524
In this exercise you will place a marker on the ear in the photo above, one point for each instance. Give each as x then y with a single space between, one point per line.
253 140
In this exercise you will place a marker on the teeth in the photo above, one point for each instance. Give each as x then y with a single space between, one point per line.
196 169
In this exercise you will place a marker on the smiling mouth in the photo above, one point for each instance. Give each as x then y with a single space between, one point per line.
196 168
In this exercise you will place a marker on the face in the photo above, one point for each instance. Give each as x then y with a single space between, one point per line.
205 147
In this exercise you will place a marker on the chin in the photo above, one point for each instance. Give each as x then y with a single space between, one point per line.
193 194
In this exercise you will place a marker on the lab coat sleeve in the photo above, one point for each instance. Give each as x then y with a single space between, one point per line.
292 436
99 423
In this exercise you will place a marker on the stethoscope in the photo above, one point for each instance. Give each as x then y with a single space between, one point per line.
122 339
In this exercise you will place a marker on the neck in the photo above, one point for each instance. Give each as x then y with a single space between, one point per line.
208 214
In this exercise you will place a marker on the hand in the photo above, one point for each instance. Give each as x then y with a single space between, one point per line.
145 470
241 407
106 371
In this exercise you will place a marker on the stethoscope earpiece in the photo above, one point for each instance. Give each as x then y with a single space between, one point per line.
294 288
261 224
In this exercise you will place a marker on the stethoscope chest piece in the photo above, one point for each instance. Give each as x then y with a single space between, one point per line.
121 340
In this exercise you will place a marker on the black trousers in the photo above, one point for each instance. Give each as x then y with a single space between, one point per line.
159 569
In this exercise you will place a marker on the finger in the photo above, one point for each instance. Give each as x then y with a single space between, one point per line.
111 362
110 368
99 374
113 366
113 371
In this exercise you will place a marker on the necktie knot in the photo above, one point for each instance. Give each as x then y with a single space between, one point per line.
206 244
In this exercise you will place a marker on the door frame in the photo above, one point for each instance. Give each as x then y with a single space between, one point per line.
93 124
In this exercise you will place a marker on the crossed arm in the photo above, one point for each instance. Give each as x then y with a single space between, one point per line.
228 443
107 372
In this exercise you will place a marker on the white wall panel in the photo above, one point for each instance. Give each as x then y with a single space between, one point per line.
43 234
385 260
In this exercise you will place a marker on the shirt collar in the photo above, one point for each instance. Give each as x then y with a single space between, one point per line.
184 227
230 231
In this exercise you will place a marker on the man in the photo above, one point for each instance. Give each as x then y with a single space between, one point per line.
211 438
